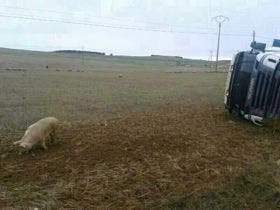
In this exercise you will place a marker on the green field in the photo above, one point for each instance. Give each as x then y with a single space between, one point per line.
136 132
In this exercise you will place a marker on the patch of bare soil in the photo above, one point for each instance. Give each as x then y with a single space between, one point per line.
138 161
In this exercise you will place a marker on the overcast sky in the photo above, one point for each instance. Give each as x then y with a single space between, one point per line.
137 27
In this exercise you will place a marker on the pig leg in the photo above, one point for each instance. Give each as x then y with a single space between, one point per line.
44 144
52 136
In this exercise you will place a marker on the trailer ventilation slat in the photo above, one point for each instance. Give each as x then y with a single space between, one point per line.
277 101
273 95
262 90
266 92
258 90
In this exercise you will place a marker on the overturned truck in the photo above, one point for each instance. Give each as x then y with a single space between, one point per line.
253 83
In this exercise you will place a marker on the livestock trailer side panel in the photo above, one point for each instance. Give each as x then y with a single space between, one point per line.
264 87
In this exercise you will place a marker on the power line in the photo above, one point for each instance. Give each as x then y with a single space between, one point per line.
100 17
122 19
98 24
45 19
133 21
88 23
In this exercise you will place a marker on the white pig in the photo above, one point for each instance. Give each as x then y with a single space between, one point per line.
38 133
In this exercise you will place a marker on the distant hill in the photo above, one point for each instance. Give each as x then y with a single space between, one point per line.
80 52
15 59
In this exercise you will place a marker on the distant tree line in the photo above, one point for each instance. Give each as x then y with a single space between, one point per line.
170 56
80 52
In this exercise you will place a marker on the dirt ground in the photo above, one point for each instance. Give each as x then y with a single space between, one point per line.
142 161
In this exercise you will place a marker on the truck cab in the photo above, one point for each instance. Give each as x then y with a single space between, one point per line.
253 83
